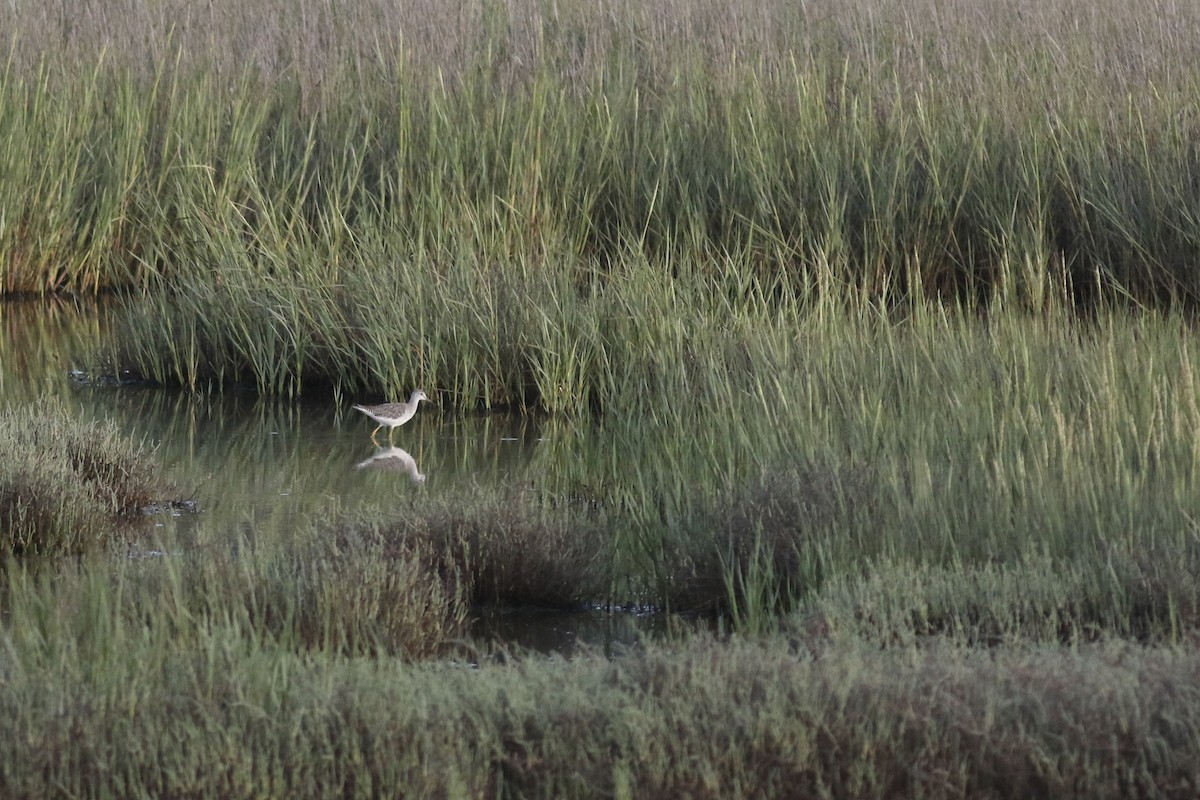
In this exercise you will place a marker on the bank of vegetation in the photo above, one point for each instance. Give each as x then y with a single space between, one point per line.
704 719
520 203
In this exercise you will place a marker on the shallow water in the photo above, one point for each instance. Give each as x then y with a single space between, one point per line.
257 467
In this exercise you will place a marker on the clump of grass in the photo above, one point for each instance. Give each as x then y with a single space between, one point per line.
349 595
1122 595
315 594
67 485
749 551
505 547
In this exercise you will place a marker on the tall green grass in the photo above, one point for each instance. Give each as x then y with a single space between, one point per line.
962 153
536 205
944 440
526 246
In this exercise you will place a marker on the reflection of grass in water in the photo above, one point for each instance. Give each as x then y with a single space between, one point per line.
42 339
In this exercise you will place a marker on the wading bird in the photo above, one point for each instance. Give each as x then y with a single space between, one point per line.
393 414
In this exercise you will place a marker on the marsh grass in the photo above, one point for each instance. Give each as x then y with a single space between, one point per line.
354 583
694 718
882 316
1138 596
948 445
68 486
280 650
496 316
1030 478
958 555
504 547
316 595
460 205
946 441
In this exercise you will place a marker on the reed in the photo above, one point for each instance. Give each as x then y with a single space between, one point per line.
822 148
946 442
540 308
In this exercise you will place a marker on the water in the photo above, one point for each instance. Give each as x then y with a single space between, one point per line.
240 456
249 464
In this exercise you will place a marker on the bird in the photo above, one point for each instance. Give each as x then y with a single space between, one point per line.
393 414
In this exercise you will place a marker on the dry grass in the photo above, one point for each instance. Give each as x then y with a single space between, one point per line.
322 594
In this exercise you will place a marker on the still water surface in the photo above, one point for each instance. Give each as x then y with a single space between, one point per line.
261 465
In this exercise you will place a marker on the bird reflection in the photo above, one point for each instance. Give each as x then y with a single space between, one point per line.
393 459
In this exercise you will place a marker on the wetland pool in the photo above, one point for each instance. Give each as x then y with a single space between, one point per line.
252 466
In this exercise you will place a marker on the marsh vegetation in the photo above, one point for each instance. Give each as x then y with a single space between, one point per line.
866 329
66 487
